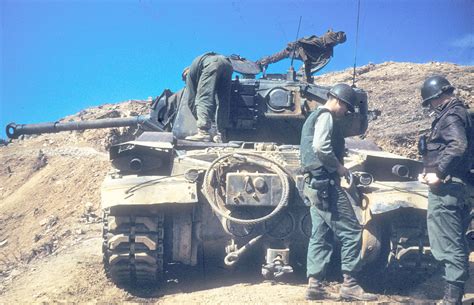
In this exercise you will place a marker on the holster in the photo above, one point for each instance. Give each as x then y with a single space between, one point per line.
316 190
322 188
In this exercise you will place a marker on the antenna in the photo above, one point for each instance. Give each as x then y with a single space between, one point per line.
357 42
294 47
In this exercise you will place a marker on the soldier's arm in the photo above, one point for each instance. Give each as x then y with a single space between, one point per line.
264 61
322 146
454 133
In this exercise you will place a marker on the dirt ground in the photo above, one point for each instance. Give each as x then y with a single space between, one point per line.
50 225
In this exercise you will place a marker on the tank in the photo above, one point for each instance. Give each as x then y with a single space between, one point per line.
169 201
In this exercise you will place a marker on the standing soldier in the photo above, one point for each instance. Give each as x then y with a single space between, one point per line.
322 155
208 82
446 160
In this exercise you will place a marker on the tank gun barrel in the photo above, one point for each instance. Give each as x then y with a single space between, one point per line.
14 130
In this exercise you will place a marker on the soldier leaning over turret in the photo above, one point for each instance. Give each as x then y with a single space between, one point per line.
314 51
208 82
446 158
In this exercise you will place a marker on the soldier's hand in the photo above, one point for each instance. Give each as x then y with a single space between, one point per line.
342 171
421 178
430 179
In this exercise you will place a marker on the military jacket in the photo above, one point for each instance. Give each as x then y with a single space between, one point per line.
450 143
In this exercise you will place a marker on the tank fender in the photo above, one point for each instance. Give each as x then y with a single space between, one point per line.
146 190
387 196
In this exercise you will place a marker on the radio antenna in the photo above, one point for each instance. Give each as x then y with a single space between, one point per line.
357 42
296 42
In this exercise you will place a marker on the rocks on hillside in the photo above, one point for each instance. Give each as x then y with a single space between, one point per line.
394 88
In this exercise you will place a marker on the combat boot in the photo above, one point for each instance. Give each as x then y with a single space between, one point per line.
351 290
201 136
452 294
316 291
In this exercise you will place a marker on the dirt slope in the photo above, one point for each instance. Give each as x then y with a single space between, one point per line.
50 203
394 88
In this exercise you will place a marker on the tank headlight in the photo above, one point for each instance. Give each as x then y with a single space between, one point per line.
365 178
400 170
192 175
136 164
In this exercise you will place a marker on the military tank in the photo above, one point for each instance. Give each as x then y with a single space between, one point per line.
167 200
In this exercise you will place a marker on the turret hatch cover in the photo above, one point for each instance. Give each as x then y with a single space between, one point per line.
243 65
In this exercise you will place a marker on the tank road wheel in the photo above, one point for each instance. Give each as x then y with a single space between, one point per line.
133 248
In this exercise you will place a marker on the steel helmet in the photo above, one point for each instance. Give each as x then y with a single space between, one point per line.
433 87
344 93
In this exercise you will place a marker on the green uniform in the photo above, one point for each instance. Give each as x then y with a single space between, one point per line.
448 148
322 148
448 220
209 83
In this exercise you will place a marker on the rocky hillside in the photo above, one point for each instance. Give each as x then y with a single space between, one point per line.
50 202
394 88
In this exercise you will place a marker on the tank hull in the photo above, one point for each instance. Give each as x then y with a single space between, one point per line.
249 180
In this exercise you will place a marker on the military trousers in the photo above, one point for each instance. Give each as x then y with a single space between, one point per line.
340 222
209 84
448 219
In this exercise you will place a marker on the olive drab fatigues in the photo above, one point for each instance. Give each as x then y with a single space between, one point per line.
448 217
336 216
209 83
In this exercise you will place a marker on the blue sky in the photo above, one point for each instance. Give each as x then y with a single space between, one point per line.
59 57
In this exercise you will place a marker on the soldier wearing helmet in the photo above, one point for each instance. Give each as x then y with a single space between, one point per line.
322 156
447 163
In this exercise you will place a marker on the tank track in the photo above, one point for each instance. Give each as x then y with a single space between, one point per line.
133 248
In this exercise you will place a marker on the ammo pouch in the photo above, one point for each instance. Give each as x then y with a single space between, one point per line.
317 191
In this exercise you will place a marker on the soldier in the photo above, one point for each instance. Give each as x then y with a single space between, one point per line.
322 151
446 161
314 51
208 82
